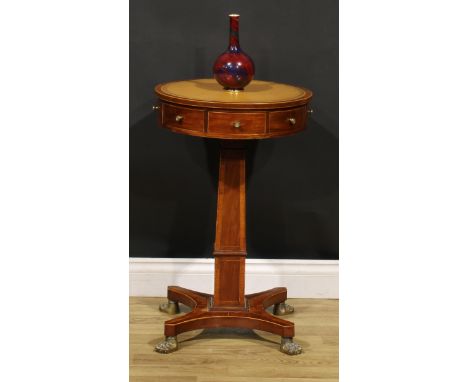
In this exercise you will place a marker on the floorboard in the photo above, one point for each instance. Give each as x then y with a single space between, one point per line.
235 355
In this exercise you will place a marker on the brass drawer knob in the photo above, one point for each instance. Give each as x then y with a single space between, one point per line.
236 124
179 118
156 107
292 121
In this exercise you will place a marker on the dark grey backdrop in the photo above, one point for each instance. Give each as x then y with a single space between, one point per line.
292 200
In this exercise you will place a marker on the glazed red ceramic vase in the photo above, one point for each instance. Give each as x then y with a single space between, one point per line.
234 69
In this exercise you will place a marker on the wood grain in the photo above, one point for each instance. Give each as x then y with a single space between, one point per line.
230 240
235 355
279 121
230 220
254 124
212 112
224 122
192 119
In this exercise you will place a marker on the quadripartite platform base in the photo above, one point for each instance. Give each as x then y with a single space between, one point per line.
205 315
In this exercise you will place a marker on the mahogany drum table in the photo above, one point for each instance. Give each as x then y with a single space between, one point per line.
262 110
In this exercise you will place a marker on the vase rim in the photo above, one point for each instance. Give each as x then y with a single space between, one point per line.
234 15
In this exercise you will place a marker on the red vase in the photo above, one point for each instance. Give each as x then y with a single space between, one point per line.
233 69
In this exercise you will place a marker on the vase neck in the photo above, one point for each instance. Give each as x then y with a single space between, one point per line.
234 33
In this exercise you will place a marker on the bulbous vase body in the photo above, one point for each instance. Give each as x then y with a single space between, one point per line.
234 69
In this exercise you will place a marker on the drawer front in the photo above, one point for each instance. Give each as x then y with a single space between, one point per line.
236 123
183 118
287 120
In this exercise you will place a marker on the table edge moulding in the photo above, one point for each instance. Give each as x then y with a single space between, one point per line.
262 110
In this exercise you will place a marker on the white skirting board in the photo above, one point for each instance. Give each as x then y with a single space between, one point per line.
303 278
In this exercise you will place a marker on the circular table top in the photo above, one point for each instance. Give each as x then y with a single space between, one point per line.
257 95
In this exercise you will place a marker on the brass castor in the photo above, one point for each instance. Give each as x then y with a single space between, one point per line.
289 347
170 307
282 309
169 345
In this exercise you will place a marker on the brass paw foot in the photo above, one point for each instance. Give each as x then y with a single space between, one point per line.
170 307
289 347
282 309
167 346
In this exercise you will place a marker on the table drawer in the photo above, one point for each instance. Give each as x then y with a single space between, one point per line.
287 120
183 118
236 123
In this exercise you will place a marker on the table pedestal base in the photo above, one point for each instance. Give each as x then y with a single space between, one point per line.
229 306
205 315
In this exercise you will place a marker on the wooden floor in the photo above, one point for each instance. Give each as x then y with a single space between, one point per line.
235 355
